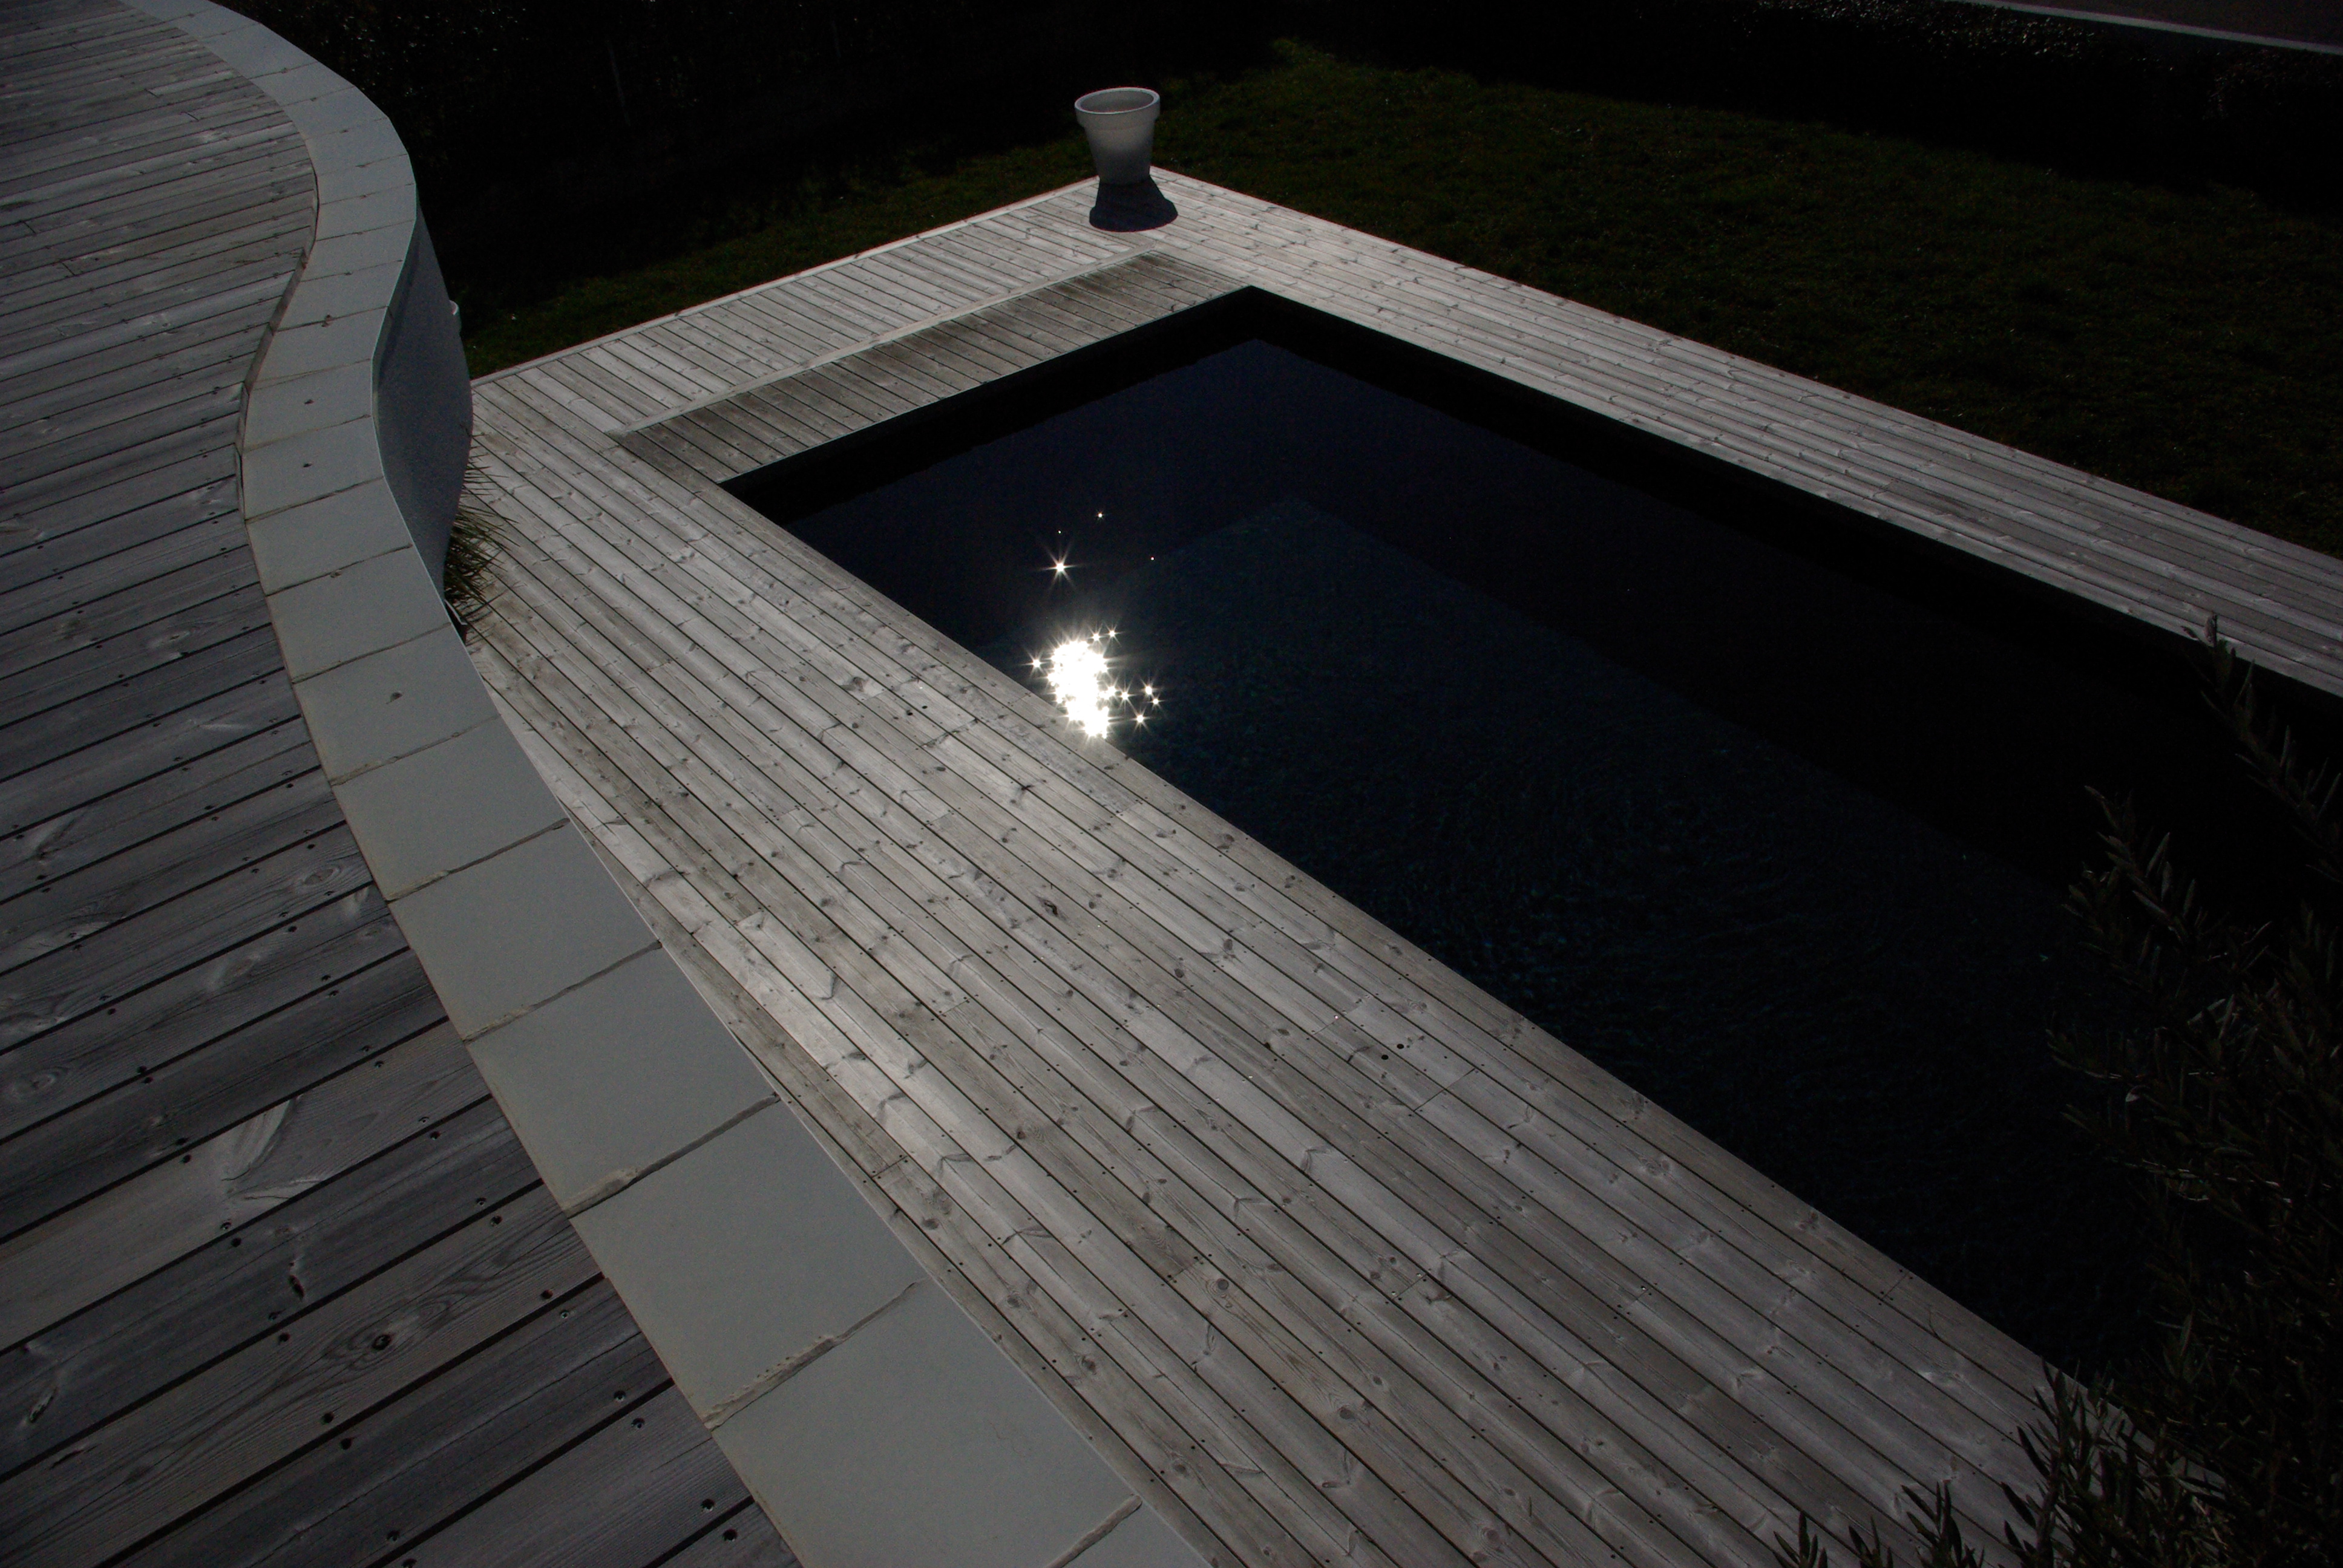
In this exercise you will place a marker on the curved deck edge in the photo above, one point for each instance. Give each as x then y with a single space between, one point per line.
745 1255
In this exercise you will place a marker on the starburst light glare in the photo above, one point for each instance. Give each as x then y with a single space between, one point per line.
1076 672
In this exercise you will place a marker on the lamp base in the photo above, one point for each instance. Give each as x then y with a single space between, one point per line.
1127 208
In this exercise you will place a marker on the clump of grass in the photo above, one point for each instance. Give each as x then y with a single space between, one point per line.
474 541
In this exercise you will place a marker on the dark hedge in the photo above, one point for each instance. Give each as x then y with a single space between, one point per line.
2100 98
531 120
510 106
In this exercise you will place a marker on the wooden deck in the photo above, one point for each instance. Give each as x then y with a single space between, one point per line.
1338 1259
276 1281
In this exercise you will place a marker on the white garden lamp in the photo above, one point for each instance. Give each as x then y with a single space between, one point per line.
1121 124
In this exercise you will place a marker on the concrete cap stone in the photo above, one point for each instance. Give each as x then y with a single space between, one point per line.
342 108
447 807
305 467
976 1468
344 340
360 141
204 22
298 87
745 1255
314 402
355 610
610 1080
302 542
338 294
293 81
518 928
390 704
364 179
357 214
263 54
351 253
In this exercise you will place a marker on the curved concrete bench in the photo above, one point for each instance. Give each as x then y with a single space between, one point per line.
872 1419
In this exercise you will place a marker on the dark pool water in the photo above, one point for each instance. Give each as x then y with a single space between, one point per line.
1781 844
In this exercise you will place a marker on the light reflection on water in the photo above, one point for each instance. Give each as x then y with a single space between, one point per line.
1080 674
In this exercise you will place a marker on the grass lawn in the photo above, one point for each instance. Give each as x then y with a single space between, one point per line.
2187 342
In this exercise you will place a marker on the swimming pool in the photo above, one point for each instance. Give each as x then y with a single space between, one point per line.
1764 808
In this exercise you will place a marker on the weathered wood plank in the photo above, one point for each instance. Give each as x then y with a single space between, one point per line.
65 953
1604 1114
86 832
130 614
54 1063
168 215
150 1120
253 231
1438 1083
137 513
51 256
96 491
1158 1198
62 1265
115 662
399 1472
1198 1475
77 741
1401 1042
987 1284
140 127
161 869
124 396
280 1396
743 1539
91 341
99 187
70 384
647 1472
1260 1397
241 693
238 1287
25 599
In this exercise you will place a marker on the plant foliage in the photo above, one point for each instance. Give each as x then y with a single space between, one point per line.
474 542
2226 1101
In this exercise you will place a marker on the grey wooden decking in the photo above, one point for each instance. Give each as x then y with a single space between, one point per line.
276 1281
1338 1259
